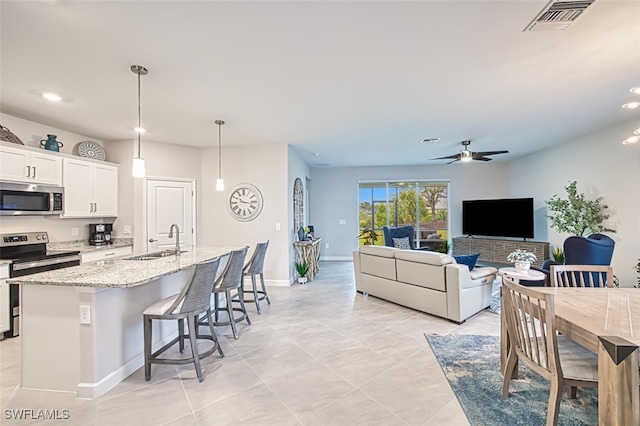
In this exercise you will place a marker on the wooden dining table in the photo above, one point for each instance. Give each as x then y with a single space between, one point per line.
607 322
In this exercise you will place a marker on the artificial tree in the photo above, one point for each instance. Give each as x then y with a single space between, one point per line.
577 215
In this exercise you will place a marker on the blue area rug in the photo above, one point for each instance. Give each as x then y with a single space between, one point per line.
472 366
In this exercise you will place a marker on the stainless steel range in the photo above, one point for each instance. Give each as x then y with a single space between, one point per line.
29 255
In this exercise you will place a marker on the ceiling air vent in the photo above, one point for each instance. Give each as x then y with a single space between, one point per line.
558 15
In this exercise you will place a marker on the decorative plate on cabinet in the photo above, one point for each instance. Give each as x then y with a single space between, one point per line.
92 150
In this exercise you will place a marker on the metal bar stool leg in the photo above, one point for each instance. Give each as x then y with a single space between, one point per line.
232 320
213 333
193 332
242 307
255 292
181 334
264 290
147 347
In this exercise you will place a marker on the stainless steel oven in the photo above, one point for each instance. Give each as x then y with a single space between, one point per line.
29 255
30 199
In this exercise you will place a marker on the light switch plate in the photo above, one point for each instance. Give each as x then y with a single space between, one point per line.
342 222
74 231
85 314
126 230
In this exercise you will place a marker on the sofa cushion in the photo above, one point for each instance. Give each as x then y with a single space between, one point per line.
424 256
482 271
402 243
467 259
382 251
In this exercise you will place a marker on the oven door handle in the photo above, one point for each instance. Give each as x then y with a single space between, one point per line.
37 263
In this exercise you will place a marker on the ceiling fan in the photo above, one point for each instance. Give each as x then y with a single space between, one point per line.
466 155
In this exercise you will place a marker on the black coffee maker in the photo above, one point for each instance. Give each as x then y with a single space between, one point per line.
100 234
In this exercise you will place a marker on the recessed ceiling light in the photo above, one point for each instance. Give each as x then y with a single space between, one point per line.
429 140
631 105
636 132
632 139
315 154
139 129
51 96
635 90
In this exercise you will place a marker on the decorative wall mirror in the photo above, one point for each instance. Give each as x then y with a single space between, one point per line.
298 205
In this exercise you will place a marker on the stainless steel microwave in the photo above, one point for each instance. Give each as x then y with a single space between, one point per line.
30 199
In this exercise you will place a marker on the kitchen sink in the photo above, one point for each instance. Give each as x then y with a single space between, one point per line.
154 255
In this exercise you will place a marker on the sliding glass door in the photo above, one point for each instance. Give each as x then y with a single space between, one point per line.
423 204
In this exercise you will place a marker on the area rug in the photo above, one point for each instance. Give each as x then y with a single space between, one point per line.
471 364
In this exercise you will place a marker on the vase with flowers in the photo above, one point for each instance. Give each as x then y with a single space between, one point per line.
521 259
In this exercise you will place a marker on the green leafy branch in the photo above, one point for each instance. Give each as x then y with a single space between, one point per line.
577 215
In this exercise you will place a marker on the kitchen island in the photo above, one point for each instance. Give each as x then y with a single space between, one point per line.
81 327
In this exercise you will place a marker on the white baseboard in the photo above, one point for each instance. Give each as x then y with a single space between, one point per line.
339 258
275 283
95 390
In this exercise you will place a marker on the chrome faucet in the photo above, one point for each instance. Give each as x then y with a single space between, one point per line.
177 237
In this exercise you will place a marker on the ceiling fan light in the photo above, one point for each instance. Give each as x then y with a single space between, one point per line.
632 139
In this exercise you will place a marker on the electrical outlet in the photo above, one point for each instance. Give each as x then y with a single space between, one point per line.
326 245
74 231
342 222
85 314
126 230
277 226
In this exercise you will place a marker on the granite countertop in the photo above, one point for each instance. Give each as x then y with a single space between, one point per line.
84 247
120 273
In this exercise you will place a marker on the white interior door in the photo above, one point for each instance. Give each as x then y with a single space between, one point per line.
169 202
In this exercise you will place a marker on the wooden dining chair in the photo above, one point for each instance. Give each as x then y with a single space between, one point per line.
581 276
533 339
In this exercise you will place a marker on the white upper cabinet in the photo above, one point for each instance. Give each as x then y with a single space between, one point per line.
20 165
90 189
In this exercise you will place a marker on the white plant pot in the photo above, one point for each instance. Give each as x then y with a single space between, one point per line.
523 266
302 280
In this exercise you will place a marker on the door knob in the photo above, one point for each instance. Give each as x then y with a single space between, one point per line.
152 240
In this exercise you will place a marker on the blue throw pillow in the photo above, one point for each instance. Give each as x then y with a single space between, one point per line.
467 259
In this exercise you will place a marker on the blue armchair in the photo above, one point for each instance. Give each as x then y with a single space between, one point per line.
406 231
596 249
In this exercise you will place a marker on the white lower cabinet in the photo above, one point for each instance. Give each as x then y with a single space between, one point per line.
90 189
4 299
106 254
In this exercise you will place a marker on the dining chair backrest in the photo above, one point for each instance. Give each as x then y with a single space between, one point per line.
256 263
581 276
231 277
196 294
530 321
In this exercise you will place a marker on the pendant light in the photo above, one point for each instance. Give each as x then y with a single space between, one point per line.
219 181
138 169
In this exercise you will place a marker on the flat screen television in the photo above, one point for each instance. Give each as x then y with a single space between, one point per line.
510 217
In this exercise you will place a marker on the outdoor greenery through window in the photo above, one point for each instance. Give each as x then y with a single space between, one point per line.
423 204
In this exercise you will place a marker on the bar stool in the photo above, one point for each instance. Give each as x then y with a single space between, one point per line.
254 267
229 280
193 300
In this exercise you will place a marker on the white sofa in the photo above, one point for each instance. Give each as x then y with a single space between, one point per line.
428 281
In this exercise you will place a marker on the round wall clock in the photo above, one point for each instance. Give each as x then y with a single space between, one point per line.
245 202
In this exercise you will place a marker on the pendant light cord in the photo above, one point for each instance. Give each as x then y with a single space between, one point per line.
219 152
138 115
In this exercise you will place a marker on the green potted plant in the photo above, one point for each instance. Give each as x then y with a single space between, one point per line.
558 255
522 259
301 268
577 215
637 268
368 235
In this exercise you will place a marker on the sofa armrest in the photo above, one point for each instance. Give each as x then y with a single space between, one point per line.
459 279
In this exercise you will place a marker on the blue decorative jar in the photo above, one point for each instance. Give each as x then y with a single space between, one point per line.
51 144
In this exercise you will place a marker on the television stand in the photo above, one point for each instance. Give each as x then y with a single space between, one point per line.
495 250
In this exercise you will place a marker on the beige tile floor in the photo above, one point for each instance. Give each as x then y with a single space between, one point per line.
320 354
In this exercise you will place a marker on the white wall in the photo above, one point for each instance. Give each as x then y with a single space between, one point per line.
335 196
265 167
30 133
602 166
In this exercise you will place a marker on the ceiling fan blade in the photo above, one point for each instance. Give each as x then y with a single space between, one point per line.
484 154
449 157
480 158
457 159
